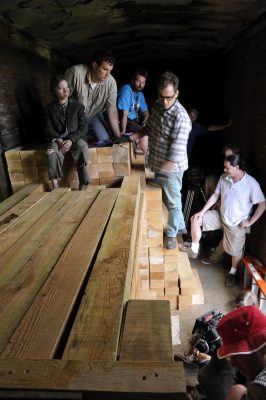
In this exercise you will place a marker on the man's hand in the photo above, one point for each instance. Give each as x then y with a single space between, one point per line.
196 217
245 223
65 146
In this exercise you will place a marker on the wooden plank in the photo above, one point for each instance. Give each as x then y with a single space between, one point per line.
16 298
198 295
121 169
14 165
147 332
29 166
20 209
121 153
100 312
139 380
106 170
15 198
38 334
104 155
42 165
93 156
21 226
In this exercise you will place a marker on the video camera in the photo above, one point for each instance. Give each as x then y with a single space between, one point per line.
205 337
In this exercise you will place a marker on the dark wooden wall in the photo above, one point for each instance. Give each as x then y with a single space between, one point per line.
24 90
245 95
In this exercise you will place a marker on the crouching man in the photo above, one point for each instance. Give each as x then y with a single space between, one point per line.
238 193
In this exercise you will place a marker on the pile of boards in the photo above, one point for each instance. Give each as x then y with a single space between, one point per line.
160 273
69 327
106 165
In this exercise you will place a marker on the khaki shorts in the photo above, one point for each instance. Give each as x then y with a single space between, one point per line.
234 237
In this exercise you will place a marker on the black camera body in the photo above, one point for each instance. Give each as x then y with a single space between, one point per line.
205 336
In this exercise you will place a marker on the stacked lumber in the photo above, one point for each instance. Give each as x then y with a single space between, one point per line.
106 165
163 274
66 267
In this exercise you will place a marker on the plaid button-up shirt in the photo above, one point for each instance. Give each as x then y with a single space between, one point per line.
168 132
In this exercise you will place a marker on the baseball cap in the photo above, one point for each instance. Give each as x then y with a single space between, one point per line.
243 331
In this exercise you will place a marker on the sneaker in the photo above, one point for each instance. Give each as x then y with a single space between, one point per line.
170 243
208 260
188 250
231 280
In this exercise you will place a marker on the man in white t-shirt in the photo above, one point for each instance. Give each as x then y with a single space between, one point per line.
238 193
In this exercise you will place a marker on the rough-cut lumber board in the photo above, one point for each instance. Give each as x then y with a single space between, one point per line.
16 198
100 312
106 170
19 252
23 224
125 380
198 295
184 302
105 155
121 169
93 170
184 268
38 334
93 156
147 332
14 165
17 296
16 186
42 165
121 153
20 209
29 166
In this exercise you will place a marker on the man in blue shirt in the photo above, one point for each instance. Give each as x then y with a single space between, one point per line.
131 103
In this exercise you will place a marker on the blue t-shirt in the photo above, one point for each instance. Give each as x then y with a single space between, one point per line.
133 102
197 129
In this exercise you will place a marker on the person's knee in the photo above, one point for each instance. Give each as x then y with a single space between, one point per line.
50 151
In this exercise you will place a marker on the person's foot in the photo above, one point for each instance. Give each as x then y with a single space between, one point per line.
188 250
170 243
231 280
182 231
208 260
83 186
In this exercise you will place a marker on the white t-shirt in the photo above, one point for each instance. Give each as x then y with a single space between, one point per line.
237 199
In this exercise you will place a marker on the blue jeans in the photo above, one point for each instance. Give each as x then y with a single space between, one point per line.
171 183
97 128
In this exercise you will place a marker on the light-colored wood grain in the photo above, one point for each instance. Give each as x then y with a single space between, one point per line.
17 296
16 198
11 235
144 380
40 331
10 216
15 170
104 155
29 166
100 312
147 332
121 153
198 295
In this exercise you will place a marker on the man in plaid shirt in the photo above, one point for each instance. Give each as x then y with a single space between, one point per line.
168 128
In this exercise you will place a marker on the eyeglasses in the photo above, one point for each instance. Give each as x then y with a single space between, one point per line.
167 98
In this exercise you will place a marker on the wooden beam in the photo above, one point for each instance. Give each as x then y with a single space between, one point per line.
147 331
125 380
38 335
18 196
96 330
23 278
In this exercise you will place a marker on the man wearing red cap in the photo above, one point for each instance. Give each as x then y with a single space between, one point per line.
243 333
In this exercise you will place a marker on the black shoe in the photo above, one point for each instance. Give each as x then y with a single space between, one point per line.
231 280
170 243
83 186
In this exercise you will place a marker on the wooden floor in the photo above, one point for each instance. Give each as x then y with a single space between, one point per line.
67 327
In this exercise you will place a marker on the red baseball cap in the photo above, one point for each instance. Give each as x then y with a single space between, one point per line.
243 331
